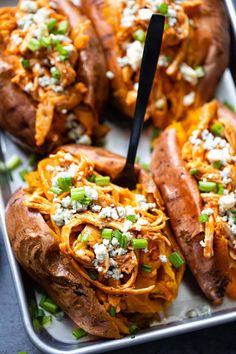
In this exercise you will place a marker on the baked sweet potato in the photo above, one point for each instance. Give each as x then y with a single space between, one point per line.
103 253
52 75
194 167
194 54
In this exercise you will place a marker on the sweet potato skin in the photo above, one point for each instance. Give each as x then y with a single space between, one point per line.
207 46
18 110
183 203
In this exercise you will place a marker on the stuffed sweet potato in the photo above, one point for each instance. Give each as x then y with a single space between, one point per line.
102 252
194 168
52 74
195 52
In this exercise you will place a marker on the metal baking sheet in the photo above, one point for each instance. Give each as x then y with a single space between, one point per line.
190 311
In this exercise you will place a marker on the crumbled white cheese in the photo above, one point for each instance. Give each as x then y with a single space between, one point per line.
96 208
226 176
29 87
134 54
28 6
110 75
202 243
207 211
227 202
84 140
145 14
91 193
189 99
100 252
163 258
16 39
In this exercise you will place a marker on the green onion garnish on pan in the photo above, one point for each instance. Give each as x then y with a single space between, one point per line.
140 35
56 190
79 333
207 186
131 218
51 24
220 189
118 235
193 171
23 173
45 42
92 178
33 45
102 181
47 304
146 268
47 321
63 27
124 242
176 260
33 159
84 236
163 8
25 63
133 329
139 243
217 165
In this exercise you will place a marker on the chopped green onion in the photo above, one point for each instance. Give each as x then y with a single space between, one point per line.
22 353
92 178
64 183
39 313
133 329
207 186
23 173
156 132
84 236
131 218
146 268
46 321
176 260
139 243
33 45
163 8
36 324
56 190
217 164
79 333
47 304
55 73
217 128
124 242
193 171
113 311
118 235
140 35
102 181
77 194
11 164
51 24
203 218
107 234
25 63
45 42
220 189
33 159
166 26
62 51
63 57
63 27
230 106
86 201
92 275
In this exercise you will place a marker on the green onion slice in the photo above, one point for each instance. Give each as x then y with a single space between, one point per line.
217 129
64 183
118 235
139 243
107 234
113 311
33 159
203 218
102 181
46 321
92 275
176 260
124 242
156 133
14 162
63 27
51 24
146 268
131 218
207 186
140 35
25 63
33 45
56 190
217 164
92 178
23 173
55 73
79 333
49 305
133 329
77 194
84 236
163 8
220 189
45 42
193 171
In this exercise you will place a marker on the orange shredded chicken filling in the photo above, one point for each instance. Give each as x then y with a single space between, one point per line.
127 278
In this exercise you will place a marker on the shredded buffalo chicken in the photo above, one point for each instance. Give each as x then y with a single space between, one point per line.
37 40
98 230
175 86
209 149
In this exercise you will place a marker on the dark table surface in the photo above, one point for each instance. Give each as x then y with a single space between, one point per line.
13 338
